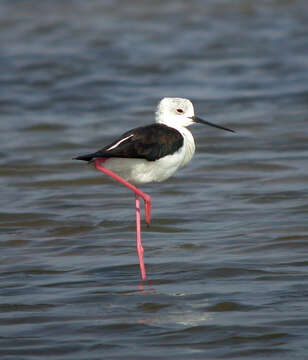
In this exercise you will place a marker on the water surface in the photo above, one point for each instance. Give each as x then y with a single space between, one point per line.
226 253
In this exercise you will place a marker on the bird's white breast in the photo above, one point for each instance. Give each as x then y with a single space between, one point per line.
189 145
141 171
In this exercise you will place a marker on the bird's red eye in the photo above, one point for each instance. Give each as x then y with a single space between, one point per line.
180 111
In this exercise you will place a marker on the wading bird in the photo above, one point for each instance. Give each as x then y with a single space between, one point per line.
150 153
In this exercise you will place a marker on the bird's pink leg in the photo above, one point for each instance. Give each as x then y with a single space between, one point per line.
140 250
147 198
148 206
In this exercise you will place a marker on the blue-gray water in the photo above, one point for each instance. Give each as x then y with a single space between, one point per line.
226 253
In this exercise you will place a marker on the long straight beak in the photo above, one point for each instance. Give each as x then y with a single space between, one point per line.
200 121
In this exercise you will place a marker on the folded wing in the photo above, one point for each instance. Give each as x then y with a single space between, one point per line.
148 142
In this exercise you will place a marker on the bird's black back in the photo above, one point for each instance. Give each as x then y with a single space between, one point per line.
150 142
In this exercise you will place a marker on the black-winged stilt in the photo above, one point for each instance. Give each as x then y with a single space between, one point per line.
150 153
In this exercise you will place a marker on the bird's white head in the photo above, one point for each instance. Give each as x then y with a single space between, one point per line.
178 113
175 112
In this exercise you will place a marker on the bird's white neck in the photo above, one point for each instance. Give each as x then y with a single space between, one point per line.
189 144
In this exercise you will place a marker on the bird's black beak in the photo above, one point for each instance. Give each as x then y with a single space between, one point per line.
200 121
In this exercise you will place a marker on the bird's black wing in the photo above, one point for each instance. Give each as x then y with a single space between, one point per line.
148 142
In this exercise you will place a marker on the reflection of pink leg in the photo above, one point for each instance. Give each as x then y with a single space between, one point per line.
140 250
147 198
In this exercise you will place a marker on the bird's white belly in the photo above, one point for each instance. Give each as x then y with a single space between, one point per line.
141 171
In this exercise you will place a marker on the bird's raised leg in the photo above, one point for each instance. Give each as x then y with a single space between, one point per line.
147 198
148 206
140 250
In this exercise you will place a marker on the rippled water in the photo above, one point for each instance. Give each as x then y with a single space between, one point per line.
226 253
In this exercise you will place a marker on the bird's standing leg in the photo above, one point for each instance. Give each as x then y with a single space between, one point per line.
148 206
147 198
140 250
